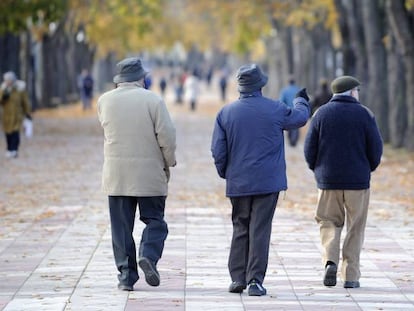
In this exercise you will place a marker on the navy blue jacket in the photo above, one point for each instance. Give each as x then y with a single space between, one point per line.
343 145
248 144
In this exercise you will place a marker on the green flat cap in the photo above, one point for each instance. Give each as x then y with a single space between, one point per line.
343 84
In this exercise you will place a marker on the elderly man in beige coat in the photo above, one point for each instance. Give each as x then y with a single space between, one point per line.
139 148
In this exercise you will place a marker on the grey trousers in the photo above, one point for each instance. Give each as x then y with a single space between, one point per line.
252 227
122 211
334 208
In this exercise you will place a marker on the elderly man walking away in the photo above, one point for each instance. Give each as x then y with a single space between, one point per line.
15 107
343 146
248 150
139 148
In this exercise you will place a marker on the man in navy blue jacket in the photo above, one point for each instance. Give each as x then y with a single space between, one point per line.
343 146
248 150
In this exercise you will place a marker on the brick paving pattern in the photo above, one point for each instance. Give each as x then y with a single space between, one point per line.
55 246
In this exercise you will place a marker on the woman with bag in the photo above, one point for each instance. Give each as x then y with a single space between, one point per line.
15 107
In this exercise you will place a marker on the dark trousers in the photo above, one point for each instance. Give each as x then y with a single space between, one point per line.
193 104
13 141
293 136
122 210
252 226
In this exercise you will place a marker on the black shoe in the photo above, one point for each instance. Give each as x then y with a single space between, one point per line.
237 287
351 284
330 274
125 287
256 289
151 274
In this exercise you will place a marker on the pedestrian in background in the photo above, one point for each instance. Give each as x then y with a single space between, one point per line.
209 75
15 108
85 85
287 96
192 89
163 85
148 82
322 95
342 147
223 85
139 149
248 151
179 81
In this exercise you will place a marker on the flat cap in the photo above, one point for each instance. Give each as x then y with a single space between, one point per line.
343 84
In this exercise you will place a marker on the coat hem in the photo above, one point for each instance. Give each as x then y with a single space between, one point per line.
230 195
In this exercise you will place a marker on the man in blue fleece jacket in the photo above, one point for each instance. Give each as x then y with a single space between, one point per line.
248 151
343 146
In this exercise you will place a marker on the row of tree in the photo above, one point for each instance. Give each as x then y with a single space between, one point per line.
48 42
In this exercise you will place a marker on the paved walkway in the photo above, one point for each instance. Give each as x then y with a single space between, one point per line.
55 248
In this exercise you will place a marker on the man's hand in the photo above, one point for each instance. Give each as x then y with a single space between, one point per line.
302 93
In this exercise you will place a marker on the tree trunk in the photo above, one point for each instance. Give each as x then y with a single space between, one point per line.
304 61
323 58
348 54
277 60
287 39
105 73
396 90
72 69
373 17
27 66
47 72
357 40
401 25
9 54
275 67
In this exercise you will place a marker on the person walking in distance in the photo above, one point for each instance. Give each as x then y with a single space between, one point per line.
248 151
139 149
192 89
322 96
223 85
342 147
15 107
286 96
86 89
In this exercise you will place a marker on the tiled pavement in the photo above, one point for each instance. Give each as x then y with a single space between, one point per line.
55 248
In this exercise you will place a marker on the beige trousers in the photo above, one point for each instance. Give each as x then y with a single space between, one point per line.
334 207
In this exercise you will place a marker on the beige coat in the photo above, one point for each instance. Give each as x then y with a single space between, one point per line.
139 142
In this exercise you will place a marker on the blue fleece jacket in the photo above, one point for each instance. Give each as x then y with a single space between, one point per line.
343 145
248 144
287 95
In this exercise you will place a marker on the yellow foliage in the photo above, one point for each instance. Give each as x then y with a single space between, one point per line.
125 25
237 24
311 13
117 25
258 50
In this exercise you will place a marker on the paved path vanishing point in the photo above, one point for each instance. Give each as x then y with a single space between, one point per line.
55 247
